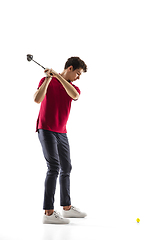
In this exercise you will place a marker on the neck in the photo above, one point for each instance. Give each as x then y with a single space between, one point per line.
64 75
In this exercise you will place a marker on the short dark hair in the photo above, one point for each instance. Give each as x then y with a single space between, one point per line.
77 63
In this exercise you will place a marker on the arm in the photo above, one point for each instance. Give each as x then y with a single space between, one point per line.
71 91
41 92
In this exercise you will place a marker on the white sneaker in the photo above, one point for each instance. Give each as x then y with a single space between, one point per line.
73 213
55 218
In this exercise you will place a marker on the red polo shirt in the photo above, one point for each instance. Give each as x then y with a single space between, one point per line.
55 107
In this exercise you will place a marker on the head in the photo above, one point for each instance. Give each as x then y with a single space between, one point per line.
73 69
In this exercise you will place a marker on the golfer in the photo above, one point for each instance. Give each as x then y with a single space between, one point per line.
55 93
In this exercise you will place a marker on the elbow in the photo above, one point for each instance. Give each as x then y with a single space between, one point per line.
36 102
76 96
35 99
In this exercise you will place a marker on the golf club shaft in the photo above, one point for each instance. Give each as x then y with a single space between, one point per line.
30 58
39 64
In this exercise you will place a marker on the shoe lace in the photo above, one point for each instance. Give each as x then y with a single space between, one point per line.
75 209
57 214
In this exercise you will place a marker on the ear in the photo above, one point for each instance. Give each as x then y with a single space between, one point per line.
70 68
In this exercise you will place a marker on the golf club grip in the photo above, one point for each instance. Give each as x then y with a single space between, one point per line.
51 74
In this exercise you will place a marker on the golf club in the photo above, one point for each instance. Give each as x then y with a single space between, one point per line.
30 58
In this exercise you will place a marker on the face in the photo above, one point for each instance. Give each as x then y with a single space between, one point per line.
74 75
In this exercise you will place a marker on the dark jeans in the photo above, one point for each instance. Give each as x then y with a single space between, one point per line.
57 154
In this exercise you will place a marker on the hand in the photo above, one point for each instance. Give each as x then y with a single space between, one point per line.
50 72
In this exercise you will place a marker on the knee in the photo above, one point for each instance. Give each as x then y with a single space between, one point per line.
70 168
66 170
53 172
53 169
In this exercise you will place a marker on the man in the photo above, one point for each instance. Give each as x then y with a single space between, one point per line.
55 93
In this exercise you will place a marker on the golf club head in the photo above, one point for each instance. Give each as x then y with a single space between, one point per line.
29 57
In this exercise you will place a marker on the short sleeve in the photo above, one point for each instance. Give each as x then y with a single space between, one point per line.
78 90
40 83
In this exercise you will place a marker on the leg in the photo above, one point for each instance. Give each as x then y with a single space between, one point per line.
65 166
50 151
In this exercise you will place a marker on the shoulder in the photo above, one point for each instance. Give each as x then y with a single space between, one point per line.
43 79
41 82
77 88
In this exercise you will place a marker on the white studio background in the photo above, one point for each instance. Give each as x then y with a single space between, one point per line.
113 129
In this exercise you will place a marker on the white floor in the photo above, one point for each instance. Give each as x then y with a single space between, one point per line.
90 228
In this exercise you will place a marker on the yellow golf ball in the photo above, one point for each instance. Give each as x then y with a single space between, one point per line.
138 220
